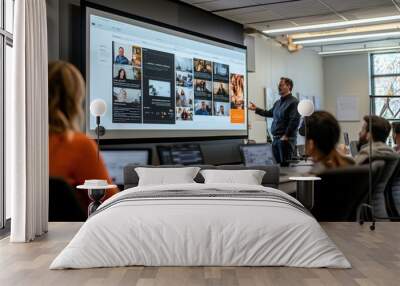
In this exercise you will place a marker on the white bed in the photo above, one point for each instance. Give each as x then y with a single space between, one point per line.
207 230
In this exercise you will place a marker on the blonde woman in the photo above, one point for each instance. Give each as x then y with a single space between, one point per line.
72 155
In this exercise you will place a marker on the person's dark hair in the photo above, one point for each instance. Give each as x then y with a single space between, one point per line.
380 127
119 74
288 82
324 130
396 127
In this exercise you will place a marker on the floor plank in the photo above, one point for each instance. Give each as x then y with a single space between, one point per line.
375 257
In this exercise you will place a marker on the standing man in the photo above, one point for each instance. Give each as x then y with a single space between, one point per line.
285 122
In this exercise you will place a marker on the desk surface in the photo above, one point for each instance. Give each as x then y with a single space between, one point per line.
295 171
289 186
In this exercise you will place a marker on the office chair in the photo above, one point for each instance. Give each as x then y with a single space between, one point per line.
378 205
340 192
63 204
393 196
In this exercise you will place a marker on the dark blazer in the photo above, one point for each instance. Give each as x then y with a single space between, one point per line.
285 115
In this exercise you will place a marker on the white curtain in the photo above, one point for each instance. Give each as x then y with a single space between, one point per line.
27 124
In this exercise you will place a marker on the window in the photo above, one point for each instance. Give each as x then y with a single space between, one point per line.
6 45
385 85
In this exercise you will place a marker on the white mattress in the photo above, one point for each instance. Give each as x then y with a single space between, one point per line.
200 232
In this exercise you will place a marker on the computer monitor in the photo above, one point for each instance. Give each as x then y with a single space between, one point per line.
164 155
185 154
257 154
116 159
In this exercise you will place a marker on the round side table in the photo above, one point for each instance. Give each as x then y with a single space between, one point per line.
305 190
96 194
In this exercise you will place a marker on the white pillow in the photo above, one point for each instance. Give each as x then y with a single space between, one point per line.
248 177
166 176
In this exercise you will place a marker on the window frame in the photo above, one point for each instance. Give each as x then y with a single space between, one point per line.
373 76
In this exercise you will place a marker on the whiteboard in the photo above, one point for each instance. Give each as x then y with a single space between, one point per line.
347 108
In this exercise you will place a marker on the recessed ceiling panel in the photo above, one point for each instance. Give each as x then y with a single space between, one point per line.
344 5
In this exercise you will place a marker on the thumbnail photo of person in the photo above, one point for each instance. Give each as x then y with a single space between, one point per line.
136 56
221 72
184 97
126 95
184 113
184 79
202 69
159 88
126 105
236 91
221 91
121 53
183 64
127 76
123 72
202 107
221 108
137 73
202 89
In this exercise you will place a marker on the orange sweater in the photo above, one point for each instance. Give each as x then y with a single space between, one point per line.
73 157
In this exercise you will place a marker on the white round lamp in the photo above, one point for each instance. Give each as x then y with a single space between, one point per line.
98 108
305 107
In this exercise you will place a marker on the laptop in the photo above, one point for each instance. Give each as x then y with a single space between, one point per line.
257 155
116 159
353 148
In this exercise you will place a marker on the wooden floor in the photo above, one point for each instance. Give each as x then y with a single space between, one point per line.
375 257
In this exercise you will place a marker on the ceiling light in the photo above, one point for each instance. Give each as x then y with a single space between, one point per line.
343 38
359 50
390 27
334 24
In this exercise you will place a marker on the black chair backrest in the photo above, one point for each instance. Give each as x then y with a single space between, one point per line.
340 192
63 204
392 193
382 186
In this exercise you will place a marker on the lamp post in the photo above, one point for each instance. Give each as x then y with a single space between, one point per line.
98 108
305 108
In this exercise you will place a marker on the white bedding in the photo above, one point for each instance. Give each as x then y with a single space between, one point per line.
200 231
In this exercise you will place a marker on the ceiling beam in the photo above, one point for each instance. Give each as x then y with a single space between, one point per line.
352 42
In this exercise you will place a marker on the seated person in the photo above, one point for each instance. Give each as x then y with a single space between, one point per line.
380 130
72 155
396 136
323 133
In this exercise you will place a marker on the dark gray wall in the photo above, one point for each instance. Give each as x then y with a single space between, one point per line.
64 37
64 22
181 15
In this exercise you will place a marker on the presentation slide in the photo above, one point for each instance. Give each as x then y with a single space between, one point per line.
162 82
